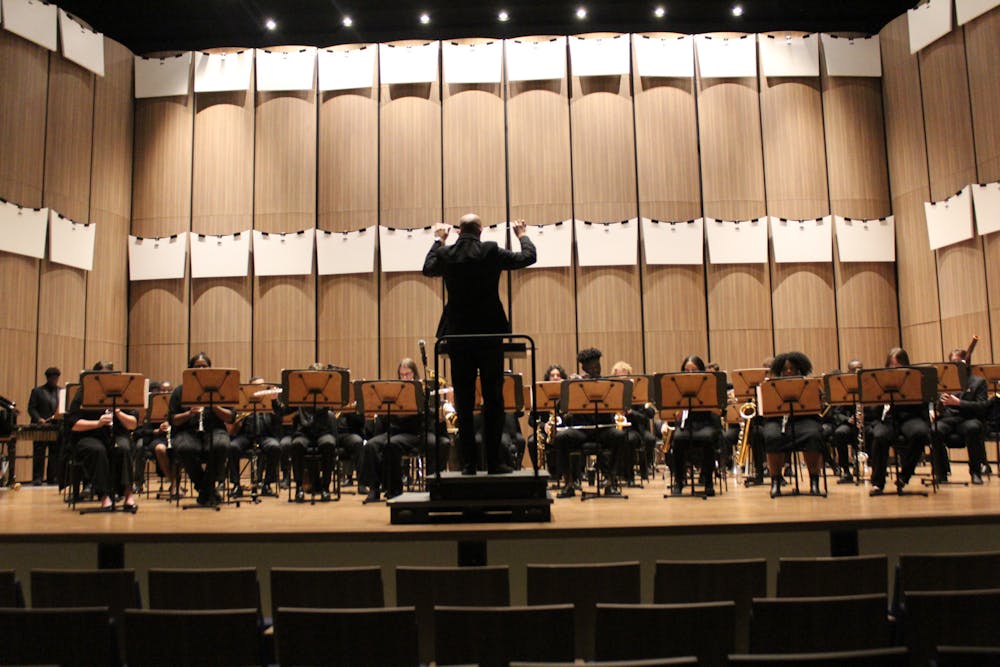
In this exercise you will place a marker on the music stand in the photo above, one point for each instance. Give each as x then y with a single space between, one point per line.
208 388
674 392
110 391
898 386
792 397
330 389
596 397
403 398
841 389
254 399
952 377
745 383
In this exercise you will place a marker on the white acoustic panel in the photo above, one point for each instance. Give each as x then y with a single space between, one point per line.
986 198
736 242
157 258
607 243
225 256
473 63
928 23
71 243
404 249
22 230
340 253
217 72
966 10
600 56
81 45
347 70
788 55
163 77
726 57
34 20
664 56
866 240
949 221
680 243
284 70
536 61
408 64
852 56
289 254
554 244
802 240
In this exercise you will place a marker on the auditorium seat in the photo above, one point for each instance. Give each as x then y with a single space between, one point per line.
66 637
688 581
385 636
811 625
495 636
583 586
326 588
644 631
879 657
11 594
967 656
661 662
426 587
194 638
824 577
225 588
946 572
949 618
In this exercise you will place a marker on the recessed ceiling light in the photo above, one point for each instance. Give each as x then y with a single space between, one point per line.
737 10
581 13
270 24
347 21
503 16
660 12
425 18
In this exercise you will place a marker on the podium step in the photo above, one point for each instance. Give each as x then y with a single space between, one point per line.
418 508
520 484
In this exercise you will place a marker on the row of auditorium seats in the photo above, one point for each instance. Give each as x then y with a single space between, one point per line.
709 609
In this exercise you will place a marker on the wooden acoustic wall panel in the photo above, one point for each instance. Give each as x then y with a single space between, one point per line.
110 208
284 308
803 300
543 301
24 72
62 290
222 203
609 301
347 306
732 164
666 128
919 313
867 308
410 197
984 90
161 206
952 164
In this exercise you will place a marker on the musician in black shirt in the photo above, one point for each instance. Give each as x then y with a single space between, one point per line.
255 428
43 404
962 415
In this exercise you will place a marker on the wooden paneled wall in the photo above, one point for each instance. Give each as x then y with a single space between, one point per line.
66 142
943 129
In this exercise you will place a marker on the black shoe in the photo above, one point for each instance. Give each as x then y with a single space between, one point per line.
372 497
36 482
876 491
776 487
709 491
566 492
469 470
362 489
899 486
237 492
204 498
676 489
284 484
814 487
300 496
846 478
499 469
324 496
977 479
267 491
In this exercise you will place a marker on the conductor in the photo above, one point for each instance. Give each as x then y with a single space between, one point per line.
471 271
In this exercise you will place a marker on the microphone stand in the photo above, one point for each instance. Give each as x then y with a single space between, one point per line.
428 421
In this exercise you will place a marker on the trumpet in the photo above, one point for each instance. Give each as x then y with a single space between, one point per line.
747 412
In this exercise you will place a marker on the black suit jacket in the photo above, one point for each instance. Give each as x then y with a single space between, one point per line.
471 271
974 400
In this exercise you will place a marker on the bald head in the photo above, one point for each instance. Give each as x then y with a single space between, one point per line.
470 224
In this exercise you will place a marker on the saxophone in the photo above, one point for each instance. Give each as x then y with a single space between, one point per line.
747 412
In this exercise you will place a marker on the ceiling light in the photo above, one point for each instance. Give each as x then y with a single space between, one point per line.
581 13
660 12
270 24
425 18
503 16
347 21
737 10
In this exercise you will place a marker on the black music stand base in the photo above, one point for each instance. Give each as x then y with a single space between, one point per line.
519 497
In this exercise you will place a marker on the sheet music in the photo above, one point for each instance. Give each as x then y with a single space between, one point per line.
664 56
966 10
217 72
157 259
71 243
163 77
287 254
726 57
408 64
866 240
226 256
802 240
852 56
949 221
928 23
33 20
81 45
607 243
788 55
986 198
339 253
347 70
554 244
283 70
23 230
473 63
600 56
536 61
679 243
736 242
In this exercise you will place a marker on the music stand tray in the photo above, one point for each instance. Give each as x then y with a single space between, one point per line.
208 388
792 397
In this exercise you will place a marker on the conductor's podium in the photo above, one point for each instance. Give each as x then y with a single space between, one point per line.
519 497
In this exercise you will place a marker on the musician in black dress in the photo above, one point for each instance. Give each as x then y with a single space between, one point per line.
697 431
102 440
962 415
43 404
255 428
554 373
200 434
911 422
778 431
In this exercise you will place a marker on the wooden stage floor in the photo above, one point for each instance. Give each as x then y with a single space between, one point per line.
37 514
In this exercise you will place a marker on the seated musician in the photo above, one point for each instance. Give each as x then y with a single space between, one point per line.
912 422
698 430
153 439
43 406
641 438
383 459
840 429
351 443
610 441
511 439
777 431
249 429
962 415
199 433
103 443
554 373
314 428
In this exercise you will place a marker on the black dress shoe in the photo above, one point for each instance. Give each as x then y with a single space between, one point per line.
469 470
324 496
266 490
776 487
372 497
876 491
846 478
900 483
300 496
566 492
676 489
814 487
499 469
977 479
237 492
709 491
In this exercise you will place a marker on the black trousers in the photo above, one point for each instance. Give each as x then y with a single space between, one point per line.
842 438
109 469
52 471
916 435
326 446
485 357
695 438
192 448
270 451
955 433
610 442
350 447
383 460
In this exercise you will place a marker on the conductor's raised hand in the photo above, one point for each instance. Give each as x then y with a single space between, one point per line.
441 230
518 227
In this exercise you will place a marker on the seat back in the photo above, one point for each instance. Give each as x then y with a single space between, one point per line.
688 581
383 636
495 636
950 618
827 577
661 662
11 594
423 588
878 657
66 637
811 625
327 588
640 631
160 638
115 589
967 656
947 572
226 588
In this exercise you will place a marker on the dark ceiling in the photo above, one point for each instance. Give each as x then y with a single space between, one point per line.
145 26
